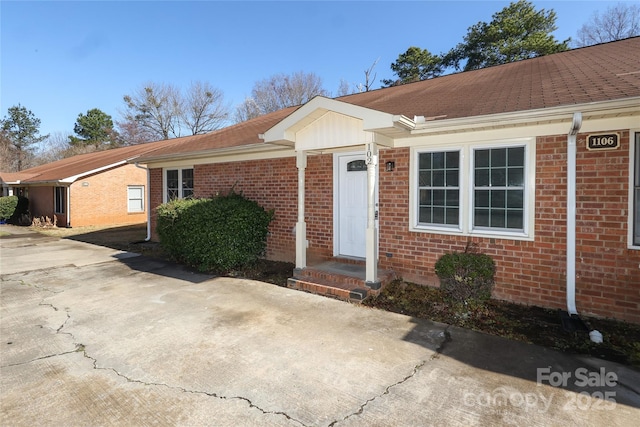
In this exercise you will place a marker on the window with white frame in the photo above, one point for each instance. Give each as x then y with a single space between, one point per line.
178 183
636 192
473 189
498 188
135 198
60 199
439 188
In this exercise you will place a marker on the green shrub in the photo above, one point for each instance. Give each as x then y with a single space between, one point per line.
8 206
216 234
466 277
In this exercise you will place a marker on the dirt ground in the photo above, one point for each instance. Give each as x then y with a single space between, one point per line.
530 324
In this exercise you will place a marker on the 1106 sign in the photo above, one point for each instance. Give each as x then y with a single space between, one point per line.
603 141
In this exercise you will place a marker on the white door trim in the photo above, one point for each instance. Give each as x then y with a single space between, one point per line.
336 199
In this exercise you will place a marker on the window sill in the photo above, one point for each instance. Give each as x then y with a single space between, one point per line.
488 234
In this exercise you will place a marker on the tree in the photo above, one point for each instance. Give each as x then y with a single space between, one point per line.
133 133
21 128
203 109
163 111
280 91
95 128
7 153
369 76
414 65
516 32
618 22
57 147
157 108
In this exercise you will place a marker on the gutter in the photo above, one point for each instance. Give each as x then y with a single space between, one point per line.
596 110
148 201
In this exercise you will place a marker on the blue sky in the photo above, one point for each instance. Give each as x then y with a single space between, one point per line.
59 59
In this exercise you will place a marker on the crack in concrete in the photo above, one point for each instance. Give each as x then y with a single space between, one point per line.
184 390
48 356
57 331
387 390
79 347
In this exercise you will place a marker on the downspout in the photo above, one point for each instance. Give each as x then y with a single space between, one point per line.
571 213
148 202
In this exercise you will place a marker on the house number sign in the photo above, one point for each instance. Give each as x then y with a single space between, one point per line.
603 141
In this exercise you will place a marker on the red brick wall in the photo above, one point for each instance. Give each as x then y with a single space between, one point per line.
155 179
608 274
530 272
271 183
319 206
101 199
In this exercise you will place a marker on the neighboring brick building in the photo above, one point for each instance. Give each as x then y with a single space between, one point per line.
98 188
536 162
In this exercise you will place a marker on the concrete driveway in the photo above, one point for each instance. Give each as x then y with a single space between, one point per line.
94 336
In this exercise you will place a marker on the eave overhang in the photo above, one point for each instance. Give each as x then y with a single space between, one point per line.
217 153
625 107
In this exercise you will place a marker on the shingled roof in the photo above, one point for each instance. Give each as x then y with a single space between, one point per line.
80 165
603 72
598 73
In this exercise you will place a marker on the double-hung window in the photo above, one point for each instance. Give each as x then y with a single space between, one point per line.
498 188
135 198
178 183
439 188
473 190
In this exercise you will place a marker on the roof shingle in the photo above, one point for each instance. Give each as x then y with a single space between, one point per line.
602 72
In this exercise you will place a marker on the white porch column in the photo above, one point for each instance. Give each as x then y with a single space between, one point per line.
301 225
371 276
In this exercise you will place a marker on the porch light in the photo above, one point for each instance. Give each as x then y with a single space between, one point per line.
390 166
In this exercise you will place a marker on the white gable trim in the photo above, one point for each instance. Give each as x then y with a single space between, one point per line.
73 178
356 121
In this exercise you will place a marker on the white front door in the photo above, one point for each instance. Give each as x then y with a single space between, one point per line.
351 215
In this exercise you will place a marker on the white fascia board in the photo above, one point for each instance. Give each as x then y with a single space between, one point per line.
221 155
620 107
285 130
74 178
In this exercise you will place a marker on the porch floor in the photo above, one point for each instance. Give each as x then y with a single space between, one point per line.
340 278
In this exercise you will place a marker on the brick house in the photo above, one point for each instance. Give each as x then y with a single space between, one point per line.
536 162
98 188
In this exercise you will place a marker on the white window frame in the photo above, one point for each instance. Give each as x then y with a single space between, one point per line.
634 199
130 198
180 187
466 186
415 192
